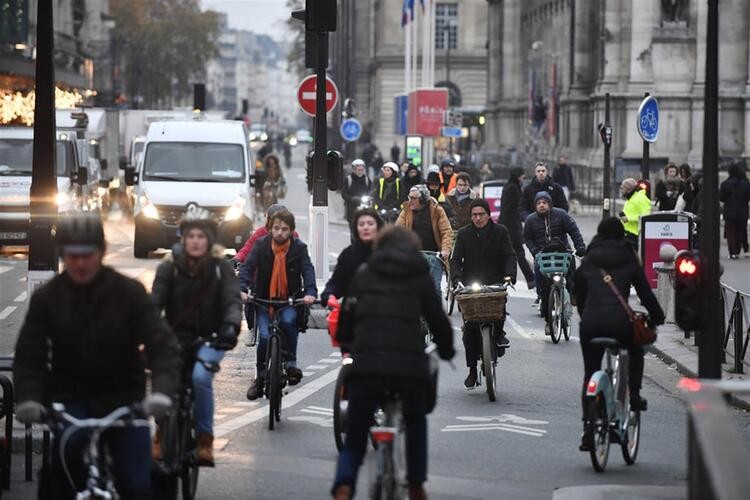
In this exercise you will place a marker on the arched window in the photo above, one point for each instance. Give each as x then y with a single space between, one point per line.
454 94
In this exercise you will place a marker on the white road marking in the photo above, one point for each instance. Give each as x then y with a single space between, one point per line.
335 354
522 294
295 397
22 280
7 312
307 374
518 328
315 367
320 408
21 297
317 412
496 427
246 403
4 269
328 360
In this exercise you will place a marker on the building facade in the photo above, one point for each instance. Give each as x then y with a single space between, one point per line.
551 62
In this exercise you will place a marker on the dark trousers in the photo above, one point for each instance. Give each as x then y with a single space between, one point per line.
592 362
735 231
528 274
365 395
130 448
543 286
472 339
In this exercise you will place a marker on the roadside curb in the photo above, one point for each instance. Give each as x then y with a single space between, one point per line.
604 492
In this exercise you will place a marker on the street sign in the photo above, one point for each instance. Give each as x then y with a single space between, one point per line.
350 129
450 131
306 95
659 229
426 111
648 119
453 118
400 114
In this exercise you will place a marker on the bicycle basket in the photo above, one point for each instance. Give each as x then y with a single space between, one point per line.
553 262
487 306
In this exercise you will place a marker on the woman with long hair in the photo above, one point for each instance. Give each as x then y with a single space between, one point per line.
274 187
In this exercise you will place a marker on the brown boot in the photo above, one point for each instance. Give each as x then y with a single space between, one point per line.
156 453
417 493
343 492
205 455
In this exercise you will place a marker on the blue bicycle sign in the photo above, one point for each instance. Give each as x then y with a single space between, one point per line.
648 119
351 129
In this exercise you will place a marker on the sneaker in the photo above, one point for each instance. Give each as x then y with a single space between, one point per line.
586 441
502 341
531 284
547 329
637 403
471 380
293 375
536 302
255 390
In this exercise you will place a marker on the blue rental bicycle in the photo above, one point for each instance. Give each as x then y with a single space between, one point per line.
555 265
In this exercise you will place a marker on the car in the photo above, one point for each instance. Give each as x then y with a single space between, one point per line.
303 136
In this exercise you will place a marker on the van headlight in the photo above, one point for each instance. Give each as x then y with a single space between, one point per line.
237 210
148 209
62 198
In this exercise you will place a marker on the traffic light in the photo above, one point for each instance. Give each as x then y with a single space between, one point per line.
690 301
199 96
335 165
318 15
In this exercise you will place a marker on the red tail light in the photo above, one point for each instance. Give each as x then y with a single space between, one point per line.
591 388
383 434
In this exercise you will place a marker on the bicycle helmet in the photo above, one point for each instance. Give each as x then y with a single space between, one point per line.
392 166
199 218
358 163
79 233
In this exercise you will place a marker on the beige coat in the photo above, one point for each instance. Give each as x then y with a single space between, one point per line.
441 226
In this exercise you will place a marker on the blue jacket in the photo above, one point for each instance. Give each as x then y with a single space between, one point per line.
561 225
255 272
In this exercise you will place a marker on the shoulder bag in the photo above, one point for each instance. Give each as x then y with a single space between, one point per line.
642 333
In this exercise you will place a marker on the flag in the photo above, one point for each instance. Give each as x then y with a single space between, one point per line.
407 12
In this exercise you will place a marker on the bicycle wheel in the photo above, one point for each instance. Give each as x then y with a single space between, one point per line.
384 483
165 472
189 470
339 413
555 314
597 417
488 361
273 380
632 438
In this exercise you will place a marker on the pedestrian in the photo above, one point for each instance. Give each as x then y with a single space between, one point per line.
278 267
364 229
735 194
427 219
603 315
669 188
460 198
510 217
412 177
636 206
381 327
483 254
685 203
389 193
356 185
87 339
486 173
447 176
563 175
274 186
287 149
542 182
195 277
395 153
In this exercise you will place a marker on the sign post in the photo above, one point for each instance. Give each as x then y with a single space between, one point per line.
605 132
648 128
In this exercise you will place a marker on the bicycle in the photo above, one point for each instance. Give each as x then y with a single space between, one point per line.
609 415
436 256
100 480
275 376
554 266
484 306
179 445
341 402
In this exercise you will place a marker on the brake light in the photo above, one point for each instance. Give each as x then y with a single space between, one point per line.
383 434
690 384
591 388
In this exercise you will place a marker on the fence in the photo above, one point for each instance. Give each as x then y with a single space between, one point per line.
735 324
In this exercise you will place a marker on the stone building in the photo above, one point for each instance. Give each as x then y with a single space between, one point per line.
367 59
551 62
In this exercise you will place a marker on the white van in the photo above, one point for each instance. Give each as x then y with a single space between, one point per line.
192 162
16 154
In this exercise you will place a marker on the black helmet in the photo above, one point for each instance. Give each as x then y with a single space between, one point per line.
200 218
79 233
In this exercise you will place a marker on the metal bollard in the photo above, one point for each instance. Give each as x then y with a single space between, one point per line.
665 281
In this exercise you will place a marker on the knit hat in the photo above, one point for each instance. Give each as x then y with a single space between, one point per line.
610 229
543 195
480 202
433 178
276 207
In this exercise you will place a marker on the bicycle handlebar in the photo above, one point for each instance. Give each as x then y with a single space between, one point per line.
124 416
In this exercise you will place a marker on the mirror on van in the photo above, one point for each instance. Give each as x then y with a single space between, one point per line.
131 177
81 177
252 180
123 162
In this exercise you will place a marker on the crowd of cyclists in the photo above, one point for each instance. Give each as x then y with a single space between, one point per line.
90 333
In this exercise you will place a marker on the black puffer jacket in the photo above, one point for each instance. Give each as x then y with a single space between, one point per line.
530 191
485 255
735 193
91 335
349 261
557 224
387 298
197 305
602 315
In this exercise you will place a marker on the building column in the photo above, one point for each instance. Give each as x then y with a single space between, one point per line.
582 67
746 98
695 157
494 70
733 70
511 127
643 14
612 47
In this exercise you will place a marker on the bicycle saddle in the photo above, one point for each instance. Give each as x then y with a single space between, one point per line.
605 341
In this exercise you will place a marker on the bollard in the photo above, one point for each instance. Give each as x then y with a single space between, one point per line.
665 281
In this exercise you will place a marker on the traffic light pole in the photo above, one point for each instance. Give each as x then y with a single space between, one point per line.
606 204
710 347
43 210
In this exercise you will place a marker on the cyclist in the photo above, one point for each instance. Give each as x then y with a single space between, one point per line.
380 323
547 229
542 182
447 176
274 186
637 204
460 199
425 217
433 186
80 345
278 267
365 226
602 314
356 185
413 176
483 253
198 291
388 192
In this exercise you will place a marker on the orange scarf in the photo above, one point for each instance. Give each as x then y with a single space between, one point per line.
279 288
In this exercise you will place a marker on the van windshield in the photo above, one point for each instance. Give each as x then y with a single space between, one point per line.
194 162
16 157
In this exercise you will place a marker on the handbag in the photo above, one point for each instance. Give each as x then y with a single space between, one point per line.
642 333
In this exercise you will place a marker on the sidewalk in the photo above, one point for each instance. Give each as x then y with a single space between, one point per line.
620 492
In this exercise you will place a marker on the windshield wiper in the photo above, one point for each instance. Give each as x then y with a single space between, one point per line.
163 177
12 171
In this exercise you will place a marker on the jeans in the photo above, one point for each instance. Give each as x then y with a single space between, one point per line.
365 395
288 324
129 447
204 391
436 272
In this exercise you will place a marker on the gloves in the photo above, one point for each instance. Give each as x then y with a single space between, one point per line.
446 353
30 412
157 405
226 340
581 252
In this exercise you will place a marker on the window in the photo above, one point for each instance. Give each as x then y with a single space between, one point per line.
446 26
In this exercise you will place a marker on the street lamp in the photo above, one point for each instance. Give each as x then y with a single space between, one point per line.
452 23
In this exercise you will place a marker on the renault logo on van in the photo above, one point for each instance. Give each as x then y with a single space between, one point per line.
191 206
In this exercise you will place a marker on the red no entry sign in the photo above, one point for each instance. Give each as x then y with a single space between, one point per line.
306 94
